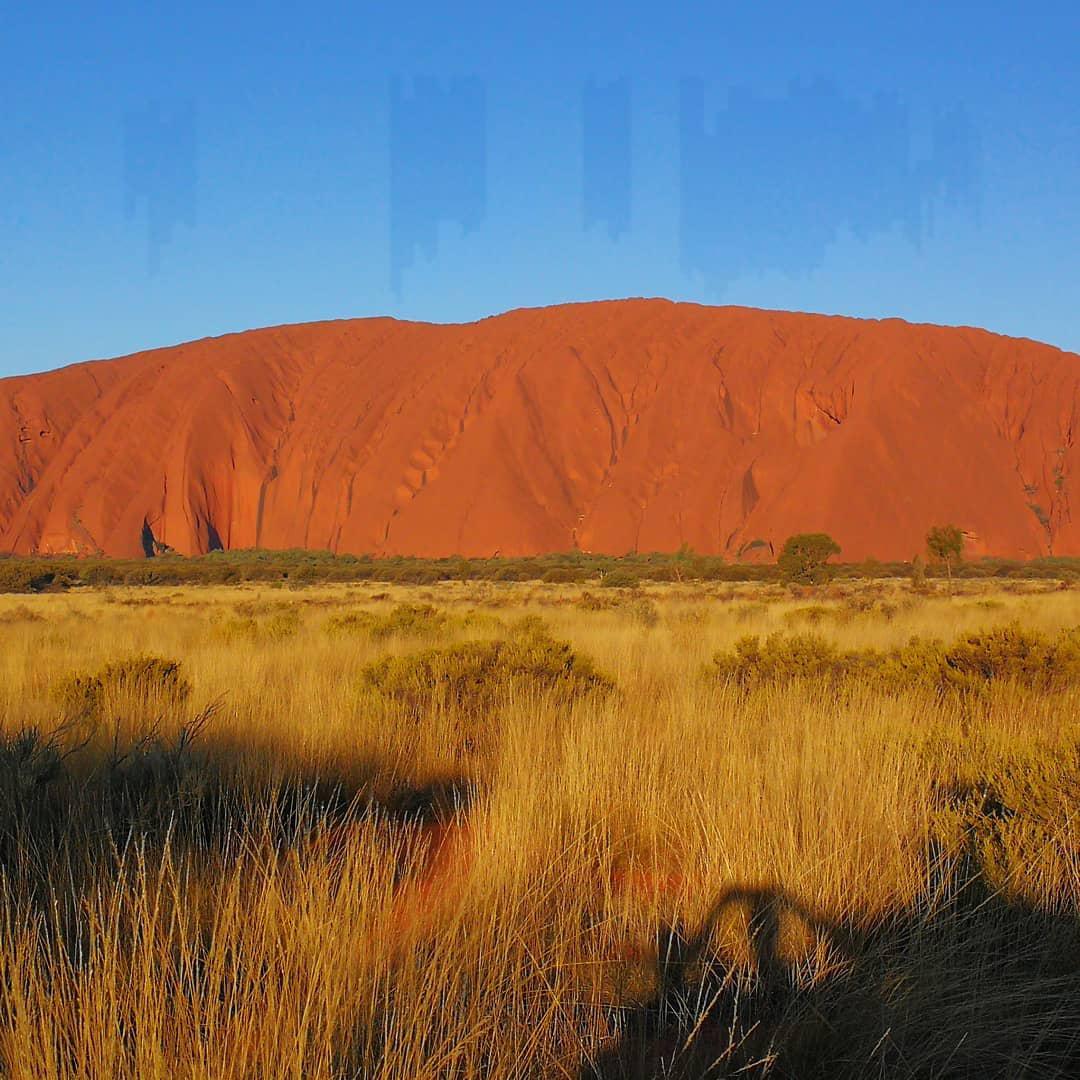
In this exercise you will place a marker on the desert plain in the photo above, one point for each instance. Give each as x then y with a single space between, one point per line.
483 829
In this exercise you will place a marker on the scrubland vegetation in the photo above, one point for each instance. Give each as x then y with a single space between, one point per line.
41 573
482 829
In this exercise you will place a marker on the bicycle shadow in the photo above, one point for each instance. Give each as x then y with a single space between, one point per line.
976 985
705 1014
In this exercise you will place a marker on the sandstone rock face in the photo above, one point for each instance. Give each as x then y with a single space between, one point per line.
618 426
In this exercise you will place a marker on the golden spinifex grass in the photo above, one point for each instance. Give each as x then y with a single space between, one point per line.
553 838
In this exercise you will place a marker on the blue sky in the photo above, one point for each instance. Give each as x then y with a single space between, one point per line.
175 171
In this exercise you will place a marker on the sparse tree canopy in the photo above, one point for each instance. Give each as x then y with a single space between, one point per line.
804 556
945 544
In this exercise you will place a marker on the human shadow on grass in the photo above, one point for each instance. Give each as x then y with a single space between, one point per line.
976 987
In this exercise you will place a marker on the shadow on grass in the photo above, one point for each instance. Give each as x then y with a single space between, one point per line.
69 808
976 987
969 985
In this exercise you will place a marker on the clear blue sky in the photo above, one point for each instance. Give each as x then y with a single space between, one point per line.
173 171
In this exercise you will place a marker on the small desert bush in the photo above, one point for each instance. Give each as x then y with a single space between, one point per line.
988 603
22 576
242 628
562 575
748 612
472 677
138 682
811 614
21 614
1008 812
643 612
782 658
282 623
639 609
480 624
404 620
619 579
589 601
1008 654
1012 653
250 609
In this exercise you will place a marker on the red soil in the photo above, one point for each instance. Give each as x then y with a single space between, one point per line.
629 425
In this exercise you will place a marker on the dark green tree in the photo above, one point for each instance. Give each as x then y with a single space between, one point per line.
805 555
945 544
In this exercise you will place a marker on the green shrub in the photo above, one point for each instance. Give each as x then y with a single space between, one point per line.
298 568
812 614
142 575
1011 814
619 579
237 629
137 681
529 626
483 623
17 576
418 573
471 678
780 659
405 620
281 625
975 660
804 557
588 601
945 544
562 575
1011 653
969 664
